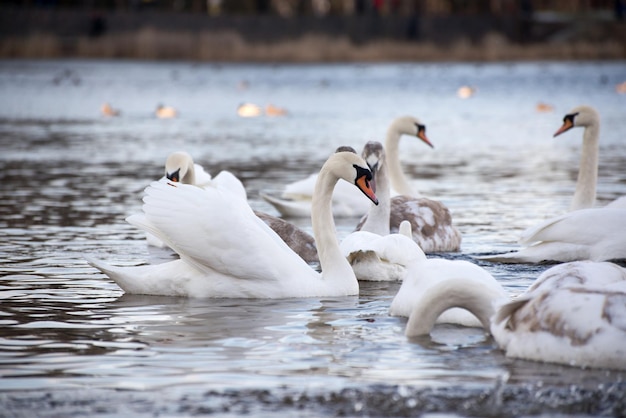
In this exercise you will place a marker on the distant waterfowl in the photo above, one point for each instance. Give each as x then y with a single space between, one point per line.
465 92
180 167
430 220
165 112
215 262
621 88
249 110
271 110
544 107
584 233
107 110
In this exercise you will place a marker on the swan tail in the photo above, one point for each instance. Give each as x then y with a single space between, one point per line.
451 293
405 229
288 208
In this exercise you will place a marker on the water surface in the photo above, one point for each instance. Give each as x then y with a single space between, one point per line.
74 343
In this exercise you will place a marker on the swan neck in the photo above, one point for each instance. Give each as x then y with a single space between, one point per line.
398 180
377 220
334 266
453 293
585 194
190 175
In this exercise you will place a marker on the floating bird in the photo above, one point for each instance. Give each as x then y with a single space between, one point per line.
249 110
228 252
165 112
465 92
584 233
107 110
573 314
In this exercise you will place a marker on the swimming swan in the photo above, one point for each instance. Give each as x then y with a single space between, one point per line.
584 233
296 197
228 252
574 314
180 167
430 220
458 275
373 253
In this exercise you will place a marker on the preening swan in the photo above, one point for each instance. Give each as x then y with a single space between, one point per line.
295 200
574 314
430 220
227 251
376 255
452 278
585 233
179 167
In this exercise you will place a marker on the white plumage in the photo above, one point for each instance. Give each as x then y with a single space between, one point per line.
227 251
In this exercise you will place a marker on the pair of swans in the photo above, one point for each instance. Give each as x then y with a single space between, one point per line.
226 251
574 314
431 223
180 167
584 233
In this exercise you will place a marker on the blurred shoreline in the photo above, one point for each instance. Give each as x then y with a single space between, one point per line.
162 36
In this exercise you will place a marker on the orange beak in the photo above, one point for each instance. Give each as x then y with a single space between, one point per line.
364 185
567 125
421 134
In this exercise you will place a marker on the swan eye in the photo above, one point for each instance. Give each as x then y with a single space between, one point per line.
570 118
362 172
174 176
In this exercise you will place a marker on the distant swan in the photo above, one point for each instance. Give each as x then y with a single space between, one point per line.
585 233
227 252
180 167
165 112
296 197
430 220
574 314
376 255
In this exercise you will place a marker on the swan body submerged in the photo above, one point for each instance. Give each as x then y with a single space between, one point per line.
227 251
424 274
574 314
584 233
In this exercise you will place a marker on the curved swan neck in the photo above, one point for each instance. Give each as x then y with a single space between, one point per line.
332 262
190 175
585 195
398 180
452 293
377 220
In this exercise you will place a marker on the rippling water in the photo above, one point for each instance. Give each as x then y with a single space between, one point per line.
73 343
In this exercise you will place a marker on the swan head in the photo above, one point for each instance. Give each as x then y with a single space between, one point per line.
374 155
179 168
408 125
347 165
579 116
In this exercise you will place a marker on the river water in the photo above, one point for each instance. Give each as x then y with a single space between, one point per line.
73 343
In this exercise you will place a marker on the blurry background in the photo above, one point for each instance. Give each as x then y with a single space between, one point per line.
314 30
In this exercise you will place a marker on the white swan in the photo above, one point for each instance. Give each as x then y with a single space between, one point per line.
422 275
585 233
574 314
430 220
376 255
295 200
180 167
227 251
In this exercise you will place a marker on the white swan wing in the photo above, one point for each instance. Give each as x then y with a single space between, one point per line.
575 314
213 230
225 180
